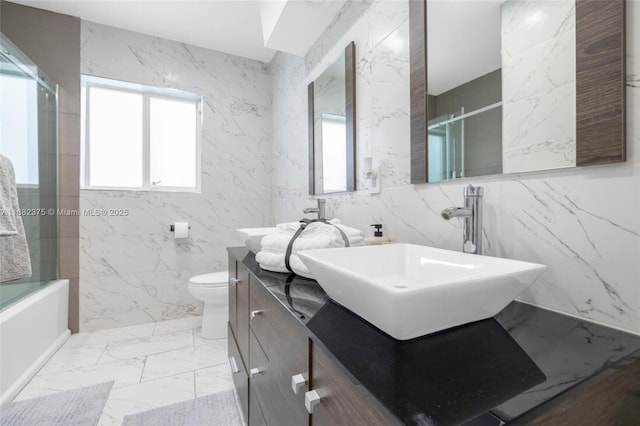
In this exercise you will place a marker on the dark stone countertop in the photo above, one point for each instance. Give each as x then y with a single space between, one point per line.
488 372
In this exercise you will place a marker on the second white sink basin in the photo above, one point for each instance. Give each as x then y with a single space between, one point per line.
408 291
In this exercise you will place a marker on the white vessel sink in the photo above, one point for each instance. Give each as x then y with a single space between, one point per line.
408 290
253 236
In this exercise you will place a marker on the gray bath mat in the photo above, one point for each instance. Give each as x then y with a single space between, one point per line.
215 409
82 406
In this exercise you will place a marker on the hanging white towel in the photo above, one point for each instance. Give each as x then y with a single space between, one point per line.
14 252
7 214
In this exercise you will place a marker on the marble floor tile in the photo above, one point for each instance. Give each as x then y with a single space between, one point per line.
213 379
181 324
70 357
199 340
133 348
110 335
124 373
146 396
191 358
152 364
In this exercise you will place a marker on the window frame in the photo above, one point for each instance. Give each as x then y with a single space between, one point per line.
147 93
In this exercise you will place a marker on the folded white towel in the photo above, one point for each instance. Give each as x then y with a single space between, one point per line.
274 261
354 242
316 235
8 224
15 262
280 242
351 232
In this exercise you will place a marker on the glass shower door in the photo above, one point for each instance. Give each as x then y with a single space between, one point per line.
446 147
29 139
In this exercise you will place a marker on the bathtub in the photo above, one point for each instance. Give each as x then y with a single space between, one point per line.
31 331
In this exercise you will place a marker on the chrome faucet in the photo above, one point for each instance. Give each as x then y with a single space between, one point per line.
472 214
321 209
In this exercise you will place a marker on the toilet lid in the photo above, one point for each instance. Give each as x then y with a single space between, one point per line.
211 279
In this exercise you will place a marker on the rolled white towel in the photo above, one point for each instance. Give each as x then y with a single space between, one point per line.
274 261
299 267
271 261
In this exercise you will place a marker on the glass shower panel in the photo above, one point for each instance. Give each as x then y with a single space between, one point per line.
29 139
446 147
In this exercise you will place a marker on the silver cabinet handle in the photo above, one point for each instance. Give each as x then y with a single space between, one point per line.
255 313
297 382
234 365
235 281
254 372
311 399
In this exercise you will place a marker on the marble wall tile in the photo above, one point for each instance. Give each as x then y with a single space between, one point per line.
527 23
584 223
539 88
132 269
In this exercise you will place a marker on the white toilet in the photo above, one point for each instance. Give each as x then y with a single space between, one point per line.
213 289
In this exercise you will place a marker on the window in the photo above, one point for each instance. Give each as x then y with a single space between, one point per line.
19 126
334 153
140 137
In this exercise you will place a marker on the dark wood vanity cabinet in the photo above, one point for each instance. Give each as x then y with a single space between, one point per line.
233 277
341 400
277 359
239 373
238 333
279 351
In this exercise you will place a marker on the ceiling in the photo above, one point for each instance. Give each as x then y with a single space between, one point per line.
230 26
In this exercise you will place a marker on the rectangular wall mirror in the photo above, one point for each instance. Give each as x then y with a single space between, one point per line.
512 86
331 127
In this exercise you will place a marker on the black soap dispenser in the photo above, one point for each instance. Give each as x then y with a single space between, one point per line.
377 238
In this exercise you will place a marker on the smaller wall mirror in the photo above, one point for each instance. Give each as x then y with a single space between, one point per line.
331 127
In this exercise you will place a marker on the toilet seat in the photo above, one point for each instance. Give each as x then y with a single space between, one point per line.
212 279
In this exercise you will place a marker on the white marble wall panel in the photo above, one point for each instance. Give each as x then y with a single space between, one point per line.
538 89
131 269
582 222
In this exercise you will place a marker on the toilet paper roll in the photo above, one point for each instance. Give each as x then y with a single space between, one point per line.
181 230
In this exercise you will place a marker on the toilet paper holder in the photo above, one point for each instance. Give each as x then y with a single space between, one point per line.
172 228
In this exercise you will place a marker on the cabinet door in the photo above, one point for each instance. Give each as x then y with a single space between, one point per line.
239 374
242 312
280 346
233 275
341 400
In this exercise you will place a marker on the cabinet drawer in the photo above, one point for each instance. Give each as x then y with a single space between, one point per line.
286 346
341 400
256 418
233 275
239 374
278 332
242 313
280 406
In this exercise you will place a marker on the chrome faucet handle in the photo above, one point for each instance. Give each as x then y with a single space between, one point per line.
321 209
473 191
472 215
